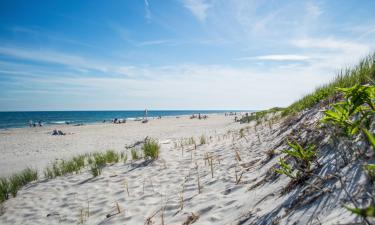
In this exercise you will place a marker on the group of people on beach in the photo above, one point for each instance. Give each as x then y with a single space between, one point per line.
34 124
199 116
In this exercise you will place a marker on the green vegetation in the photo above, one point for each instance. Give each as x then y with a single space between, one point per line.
257 116
191 141
365 212
134 154
355 112
285 169
63 167
124 157
4 189
242 134
151 149
102 159
353 115
202 140
14 183
303 158
363 73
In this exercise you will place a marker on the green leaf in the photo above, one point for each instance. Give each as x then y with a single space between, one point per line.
365 212
370 138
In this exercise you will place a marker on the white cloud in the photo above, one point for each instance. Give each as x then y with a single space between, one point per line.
198 8
174 87
285 57
330 44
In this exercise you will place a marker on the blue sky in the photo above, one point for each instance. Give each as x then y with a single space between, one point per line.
175 54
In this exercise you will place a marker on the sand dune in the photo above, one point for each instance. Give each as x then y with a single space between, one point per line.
239 188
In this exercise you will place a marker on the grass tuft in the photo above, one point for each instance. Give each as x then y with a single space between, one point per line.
151 149
15 182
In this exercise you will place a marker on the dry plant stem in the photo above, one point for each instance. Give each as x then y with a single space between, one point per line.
199 185
118 208
238 156
235 172
88 209
212 169
162 216
127 188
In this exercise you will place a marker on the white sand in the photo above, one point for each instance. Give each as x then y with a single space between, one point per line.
35 147
157 187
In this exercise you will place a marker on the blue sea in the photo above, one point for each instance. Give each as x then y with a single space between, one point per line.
21 119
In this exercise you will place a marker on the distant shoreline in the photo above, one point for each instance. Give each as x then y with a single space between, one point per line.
48 118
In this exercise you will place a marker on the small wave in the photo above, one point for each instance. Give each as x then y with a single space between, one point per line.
59 122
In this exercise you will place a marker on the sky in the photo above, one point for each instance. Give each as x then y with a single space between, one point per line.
175 54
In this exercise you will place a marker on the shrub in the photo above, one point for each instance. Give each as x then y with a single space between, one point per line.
151 149
302 156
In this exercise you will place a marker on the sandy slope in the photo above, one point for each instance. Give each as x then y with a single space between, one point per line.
155 188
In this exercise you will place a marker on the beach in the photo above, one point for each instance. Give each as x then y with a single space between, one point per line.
225 176
36 147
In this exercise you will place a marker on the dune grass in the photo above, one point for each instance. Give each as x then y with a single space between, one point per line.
63 167
15 182
102 159
202 140
362 73
151 149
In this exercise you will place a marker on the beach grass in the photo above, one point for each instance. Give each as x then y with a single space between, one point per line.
63 167
202 139
4 189
362 73
151 149
15 182
134 154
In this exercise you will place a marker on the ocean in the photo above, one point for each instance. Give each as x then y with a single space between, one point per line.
21 119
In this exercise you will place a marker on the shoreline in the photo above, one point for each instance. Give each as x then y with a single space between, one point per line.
109 121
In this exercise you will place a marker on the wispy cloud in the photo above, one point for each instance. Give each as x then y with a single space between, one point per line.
286 57
49 57
157 42
330 44
313 9
198 8
148 10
